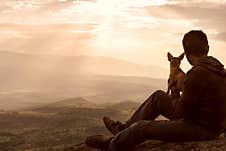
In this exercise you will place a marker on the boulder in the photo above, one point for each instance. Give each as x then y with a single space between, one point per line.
213 145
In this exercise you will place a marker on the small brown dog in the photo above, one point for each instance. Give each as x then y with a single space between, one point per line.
176 77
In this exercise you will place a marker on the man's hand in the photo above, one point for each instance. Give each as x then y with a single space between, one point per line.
175 93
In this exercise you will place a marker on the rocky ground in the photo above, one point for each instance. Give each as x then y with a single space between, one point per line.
214 145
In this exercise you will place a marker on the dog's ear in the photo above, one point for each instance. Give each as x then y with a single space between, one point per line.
181 56
170 57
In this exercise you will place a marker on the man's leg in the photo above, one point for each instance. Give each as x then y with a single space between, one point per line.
158 103
179 130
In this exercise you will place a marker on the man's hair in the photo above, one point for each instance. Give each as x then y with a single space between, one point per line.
195 42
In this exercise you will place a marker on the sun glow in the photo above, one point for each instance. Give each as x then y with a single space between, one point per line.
112 28
121 14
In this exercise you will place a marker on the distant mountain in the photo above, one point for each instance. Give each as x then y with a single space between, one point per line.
49 66
73 102
32 80
40 72
65 105
18 100
110 89
96 89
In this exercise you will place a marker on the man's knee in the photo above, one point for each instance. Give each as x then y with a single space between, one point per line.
161 102
159 93
158 96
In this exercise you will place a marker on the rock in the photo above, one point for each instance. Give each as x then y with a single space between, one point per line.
213 145
80 147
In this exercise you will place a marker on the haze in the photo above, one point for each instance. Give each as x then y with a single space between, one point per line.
140 31
100 50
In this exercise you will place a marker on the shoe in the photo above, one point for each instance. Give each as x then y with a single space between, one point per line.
98 141
113 126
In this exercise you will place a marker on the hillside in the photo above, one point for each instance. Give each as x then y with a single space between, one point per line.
54 127
72 102
65 105
21 99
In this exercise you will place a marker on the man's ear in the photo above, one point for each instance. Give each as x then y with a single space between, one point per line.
170 57
181 56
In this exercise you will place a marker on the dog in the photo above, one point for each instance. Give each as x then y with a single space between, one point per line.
176 77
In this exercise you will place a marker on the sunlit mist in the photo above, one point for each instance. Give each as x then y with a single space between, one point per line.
139 31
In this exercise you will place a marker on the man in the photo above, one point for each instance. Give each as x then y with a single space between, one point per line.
198 114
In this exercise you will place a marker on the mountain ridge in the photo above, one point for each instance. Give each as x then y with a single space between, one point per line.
83 64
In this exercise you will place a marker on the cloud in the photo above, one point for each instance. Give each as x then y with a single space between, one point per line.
205 15
179 11
55 38
39 11
57 5
47 27
115 27
220 36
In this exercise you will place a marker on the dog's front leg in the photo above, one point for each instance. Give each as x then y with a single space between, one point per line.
170 84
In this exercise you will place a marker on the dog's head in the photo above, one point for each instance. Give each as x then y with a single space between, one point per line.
175 61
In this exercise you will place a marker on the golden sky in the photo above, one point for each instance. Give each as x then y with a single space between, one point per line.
140 31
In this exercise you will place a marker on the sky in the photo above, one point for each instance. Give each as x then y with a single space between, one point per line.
140 31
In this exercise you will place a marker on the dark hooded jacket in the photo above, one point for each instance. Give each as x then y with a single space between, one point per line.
204 96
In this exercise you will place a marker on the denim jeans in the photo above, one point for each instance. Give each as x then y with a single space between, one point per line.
142 125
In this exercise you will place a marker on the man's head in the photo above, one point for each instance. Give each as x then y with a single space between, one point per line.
195 45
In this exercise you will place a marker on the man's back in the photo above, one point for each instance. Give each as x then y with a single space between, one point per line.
204 97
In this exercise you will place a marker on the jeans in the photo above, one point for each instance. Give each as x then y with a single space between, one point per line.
142 125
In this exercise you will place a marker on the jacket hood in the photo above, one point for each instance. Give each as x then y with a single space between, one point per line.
212 64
